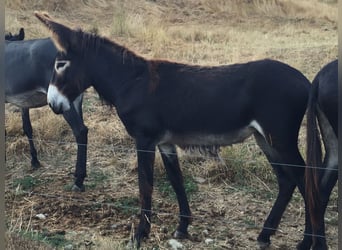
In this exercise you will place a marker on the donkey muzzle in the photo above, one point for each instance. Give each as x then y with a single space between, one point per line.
58 102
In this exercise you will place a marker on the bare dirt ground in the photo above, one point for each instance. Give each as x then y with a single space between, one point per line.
229 199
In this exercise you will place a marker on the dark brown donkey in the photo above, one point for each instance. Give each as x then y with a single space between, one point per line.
322 177
163 104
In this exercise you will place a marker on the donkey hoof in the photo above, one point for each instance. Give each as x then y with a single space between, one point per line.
76 188
180 235
35 165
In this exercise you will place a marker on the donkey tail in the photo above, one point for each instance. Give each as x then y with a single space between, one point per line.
313 156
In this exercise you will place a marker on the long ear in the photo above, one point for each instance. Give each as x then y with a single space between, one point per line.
62 36
21 34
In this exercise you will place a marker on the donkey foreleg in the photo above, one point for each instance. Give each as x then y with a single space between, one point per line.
80 132
27 127
146 157
171 163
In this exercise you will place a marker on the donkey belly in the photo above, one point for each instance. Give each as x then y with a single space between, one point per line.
210 141
29 99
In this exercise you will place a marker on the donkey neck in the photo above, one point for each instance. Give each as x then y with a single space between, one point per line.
115 69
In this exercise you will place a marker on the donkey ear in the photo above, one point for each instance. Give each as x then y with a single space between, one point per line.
21 34
62 36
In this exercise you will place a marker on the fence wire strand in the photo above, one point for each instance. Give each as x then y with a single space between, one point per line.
114 148
156 212
218 158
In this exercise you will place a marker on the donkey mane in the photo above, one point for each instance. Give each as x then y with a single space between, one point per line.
92 41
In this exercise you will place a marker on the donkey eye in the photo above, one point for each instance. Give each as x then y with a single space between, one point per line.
60 66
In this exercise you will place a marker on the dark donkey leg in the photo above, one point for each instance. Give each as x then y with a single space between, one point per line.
74 118
146 156
171 163
328 177
306 243
288 178
27 127
285 190
327 186
291 170
295 172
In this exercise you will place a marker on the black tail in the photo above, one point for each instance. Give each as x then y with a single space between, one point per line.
314 157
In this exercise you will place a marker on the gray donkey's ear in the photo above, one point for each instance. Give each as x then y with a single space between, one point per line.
63 37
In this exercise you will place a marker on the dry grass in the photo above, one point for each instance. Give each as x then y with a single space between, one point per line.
15 242
238 190
201 32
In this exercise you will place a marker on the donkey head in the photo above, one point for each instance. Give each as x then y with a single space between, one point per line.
68 79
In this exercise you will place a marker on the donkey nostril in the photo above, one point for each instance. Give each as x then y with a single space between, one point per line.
50 105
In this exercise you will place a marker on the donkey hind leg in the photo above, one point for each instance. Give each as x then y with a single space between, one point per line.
27 127
80 131
328 176
171 163
327 182
330 179
287 177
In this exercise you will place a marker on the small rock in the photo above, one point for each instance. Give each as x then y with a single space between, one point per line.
199 180
40 216
205 232
175 244
208 241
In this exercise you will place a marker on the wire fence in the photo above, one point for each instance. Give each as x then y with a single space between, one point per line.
116 148
163 213
154 211
137 209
